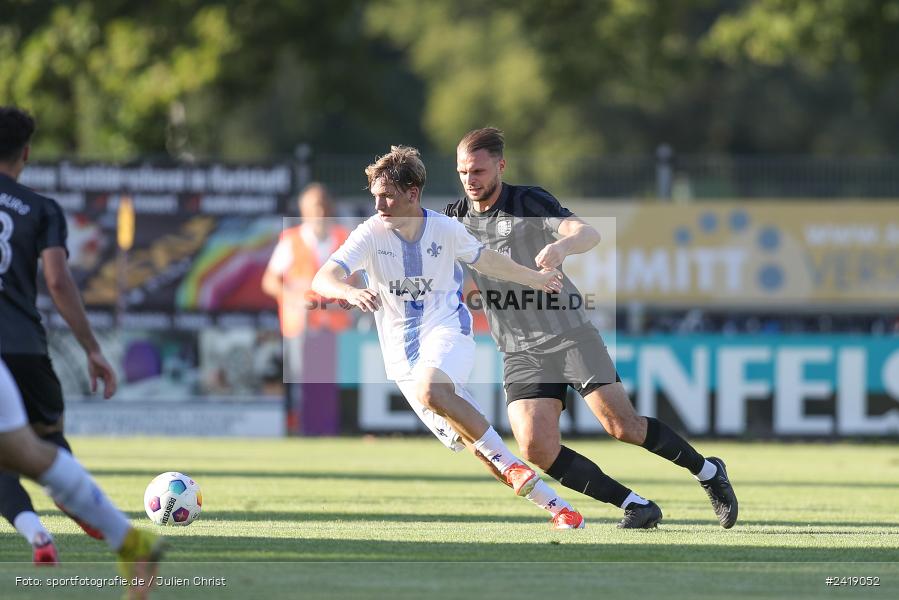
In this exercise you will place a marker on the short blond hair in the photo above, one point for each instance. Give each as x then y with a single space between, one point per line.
402 166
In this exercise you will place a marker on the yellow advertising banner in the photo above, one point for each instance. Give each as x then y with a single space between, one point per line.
836 254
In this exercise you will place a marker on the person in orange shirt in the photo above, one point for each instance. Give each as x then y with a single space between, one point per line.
300 252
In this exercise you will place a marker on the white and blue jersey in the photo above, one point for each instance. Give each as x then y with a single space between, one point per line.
420 286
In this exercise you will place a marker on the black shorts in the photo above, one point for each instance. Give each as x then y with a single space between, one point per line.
583 363
41 392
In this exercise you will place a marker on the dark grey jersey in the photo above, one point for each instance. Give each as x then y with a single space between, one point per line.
29 223
520 224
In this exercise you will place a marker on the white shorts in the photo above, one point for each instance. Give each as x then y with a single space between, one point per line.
452 353
12 411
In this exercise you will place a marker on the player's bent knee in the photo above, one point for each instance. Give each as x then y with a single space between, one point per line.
538 452
626 429
433 397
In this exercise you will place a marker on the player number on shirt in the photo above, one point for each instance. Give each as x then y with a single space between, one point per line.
6 229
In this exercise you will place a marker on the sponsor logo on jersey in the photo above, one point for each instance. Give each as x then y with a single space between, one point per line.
416 287
386 253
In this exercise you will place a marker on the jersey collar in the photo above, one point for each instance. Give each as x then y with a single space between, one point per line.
421 232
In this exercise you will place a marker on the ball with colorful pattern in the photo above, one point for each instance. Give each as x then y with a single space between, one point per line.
173 499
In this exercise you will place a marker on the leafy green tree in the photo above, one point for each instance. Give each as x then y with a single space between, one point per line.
817 36
109 87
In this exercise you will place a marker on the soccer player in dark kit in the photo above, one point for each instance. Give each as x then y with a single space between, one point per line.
33 228
545 351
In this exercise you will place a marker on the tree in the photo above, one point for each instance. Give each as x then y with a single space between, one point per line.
817 36
108 85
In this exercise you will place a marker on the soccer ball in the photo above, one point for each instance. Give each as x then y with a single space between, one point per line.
173 499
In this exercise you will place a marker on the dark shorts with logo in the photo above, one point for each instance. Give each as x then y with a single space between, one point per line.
582 363
41 392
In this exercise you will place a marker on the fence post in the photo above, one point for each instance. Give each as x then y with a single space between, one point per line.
664 171
303 170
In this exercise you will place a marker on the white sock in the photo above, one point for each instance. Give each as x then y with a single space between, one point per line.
632 497
29 525
492 446
545 497
71 486
708 471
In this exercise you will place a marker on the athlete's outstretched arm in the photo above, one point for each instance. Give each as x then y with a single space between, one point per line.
499 266
65 296
576 237
329 283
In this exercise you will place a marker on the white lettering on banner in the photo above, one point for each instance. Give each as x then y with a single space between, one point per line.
663 270
255 418
734 388
659 365
851 418
793 389
623 353
826 234
890 375
733 258
238 204
39 177
648 272
660 369
162 204
193 321
223 179
146 320
705 268
601 269
682 270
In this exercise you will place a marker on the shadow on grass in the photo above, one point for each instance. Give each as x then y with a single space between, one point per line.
560 547
792 523
538 519
473 478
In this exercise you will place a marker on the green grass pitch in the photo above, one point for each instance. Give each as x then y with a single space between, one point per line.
405 518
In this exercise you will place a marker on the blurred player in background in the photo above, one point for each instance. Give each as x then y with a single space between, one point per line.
32 229
300 252
413 285
546 351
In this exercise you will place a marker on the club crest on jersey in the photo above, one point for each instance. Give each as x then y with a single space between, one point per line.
504 227
416 287
434 250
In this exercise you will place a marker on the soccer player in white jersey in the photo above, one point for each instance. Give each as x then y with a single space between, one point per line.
414 286
66 481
